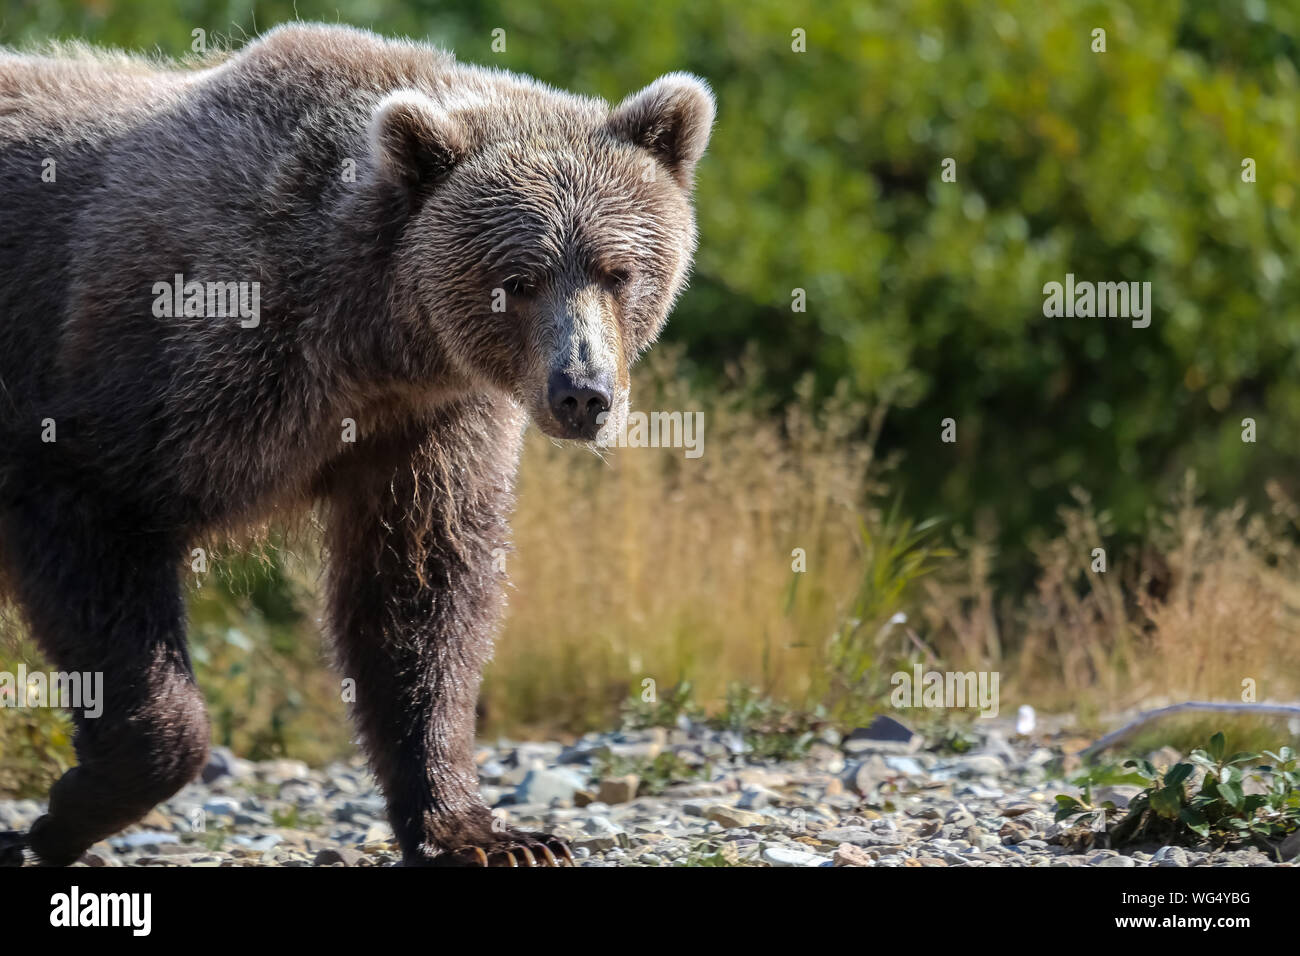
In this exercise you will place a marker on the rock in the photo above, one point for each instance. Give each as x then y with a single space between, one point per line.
733 742
548 786
254 819
344 855
981 839
378 833
826 757
959 816
1013 831
733 817
858 836
147 838
283 769
595 844
883 808
539 753
906 765
884 735
642 750
1040 758
755 797
982 765
221 807
603 826
619 789
157 820
865 776
262 843
360 807
718 788
293 837
1169 856
584 751
785 856
846 854
300 792
222 762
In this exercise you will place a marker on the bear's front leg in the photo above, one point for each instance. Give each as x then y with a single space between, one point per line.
417 534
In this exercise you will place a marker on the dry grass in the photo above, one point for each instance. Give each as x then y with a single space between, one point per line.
1210 602
644 564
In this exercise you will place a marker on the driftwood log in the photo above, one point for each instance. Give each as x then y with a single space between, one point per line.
1191 706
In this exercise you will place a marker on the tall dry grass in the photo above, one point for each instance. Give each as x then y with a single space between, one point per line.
641 564
1207 607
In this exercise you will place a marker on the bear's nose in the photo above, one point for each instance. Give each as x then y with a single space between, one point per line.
577 403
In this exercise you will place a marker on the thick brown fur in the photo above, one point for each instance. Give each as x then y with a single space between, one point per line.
436 246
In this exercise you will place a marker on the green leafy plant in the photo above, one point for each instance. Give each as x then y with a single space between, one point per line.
664 711
771 730
896 554
656 773
1171 808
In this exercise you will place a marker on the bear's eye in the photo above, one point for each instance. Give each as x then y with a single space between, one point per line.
519 285
616 279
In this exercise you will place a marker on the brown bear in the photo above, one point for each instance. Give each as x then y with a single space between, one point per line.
329 269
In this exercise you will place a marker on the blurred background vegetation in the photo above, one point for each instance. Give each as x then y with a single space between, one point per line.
923 302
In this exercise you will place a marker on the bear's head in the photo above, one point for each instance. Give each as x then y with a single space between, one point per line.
546 235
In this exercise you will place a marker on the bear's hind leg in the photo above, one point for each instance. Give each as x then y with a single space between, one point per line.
108 603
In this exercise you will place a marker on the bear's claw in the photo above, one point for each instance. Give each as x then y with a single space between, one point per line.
546 851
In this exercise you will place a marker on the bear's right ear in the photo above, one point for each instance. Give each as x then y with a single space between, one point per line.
672 118
414 141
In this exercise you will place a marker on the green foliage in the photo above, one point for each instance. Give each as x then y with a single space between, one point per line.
259 659
824 175
1231 805
712 853
678 702
770 729
35 742
657 773
896 554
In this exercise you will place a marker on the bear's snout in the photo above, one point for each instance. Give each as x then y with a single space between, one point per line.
578 403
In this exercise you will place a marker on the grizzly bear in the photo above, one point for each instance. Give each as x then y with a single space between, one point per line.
330 270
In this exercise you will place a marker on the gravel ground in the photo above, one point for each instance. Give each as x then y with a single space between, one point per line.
873 798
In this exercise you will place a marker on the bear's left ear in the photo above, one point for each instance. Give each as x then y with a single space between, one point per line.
414 140
672 118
